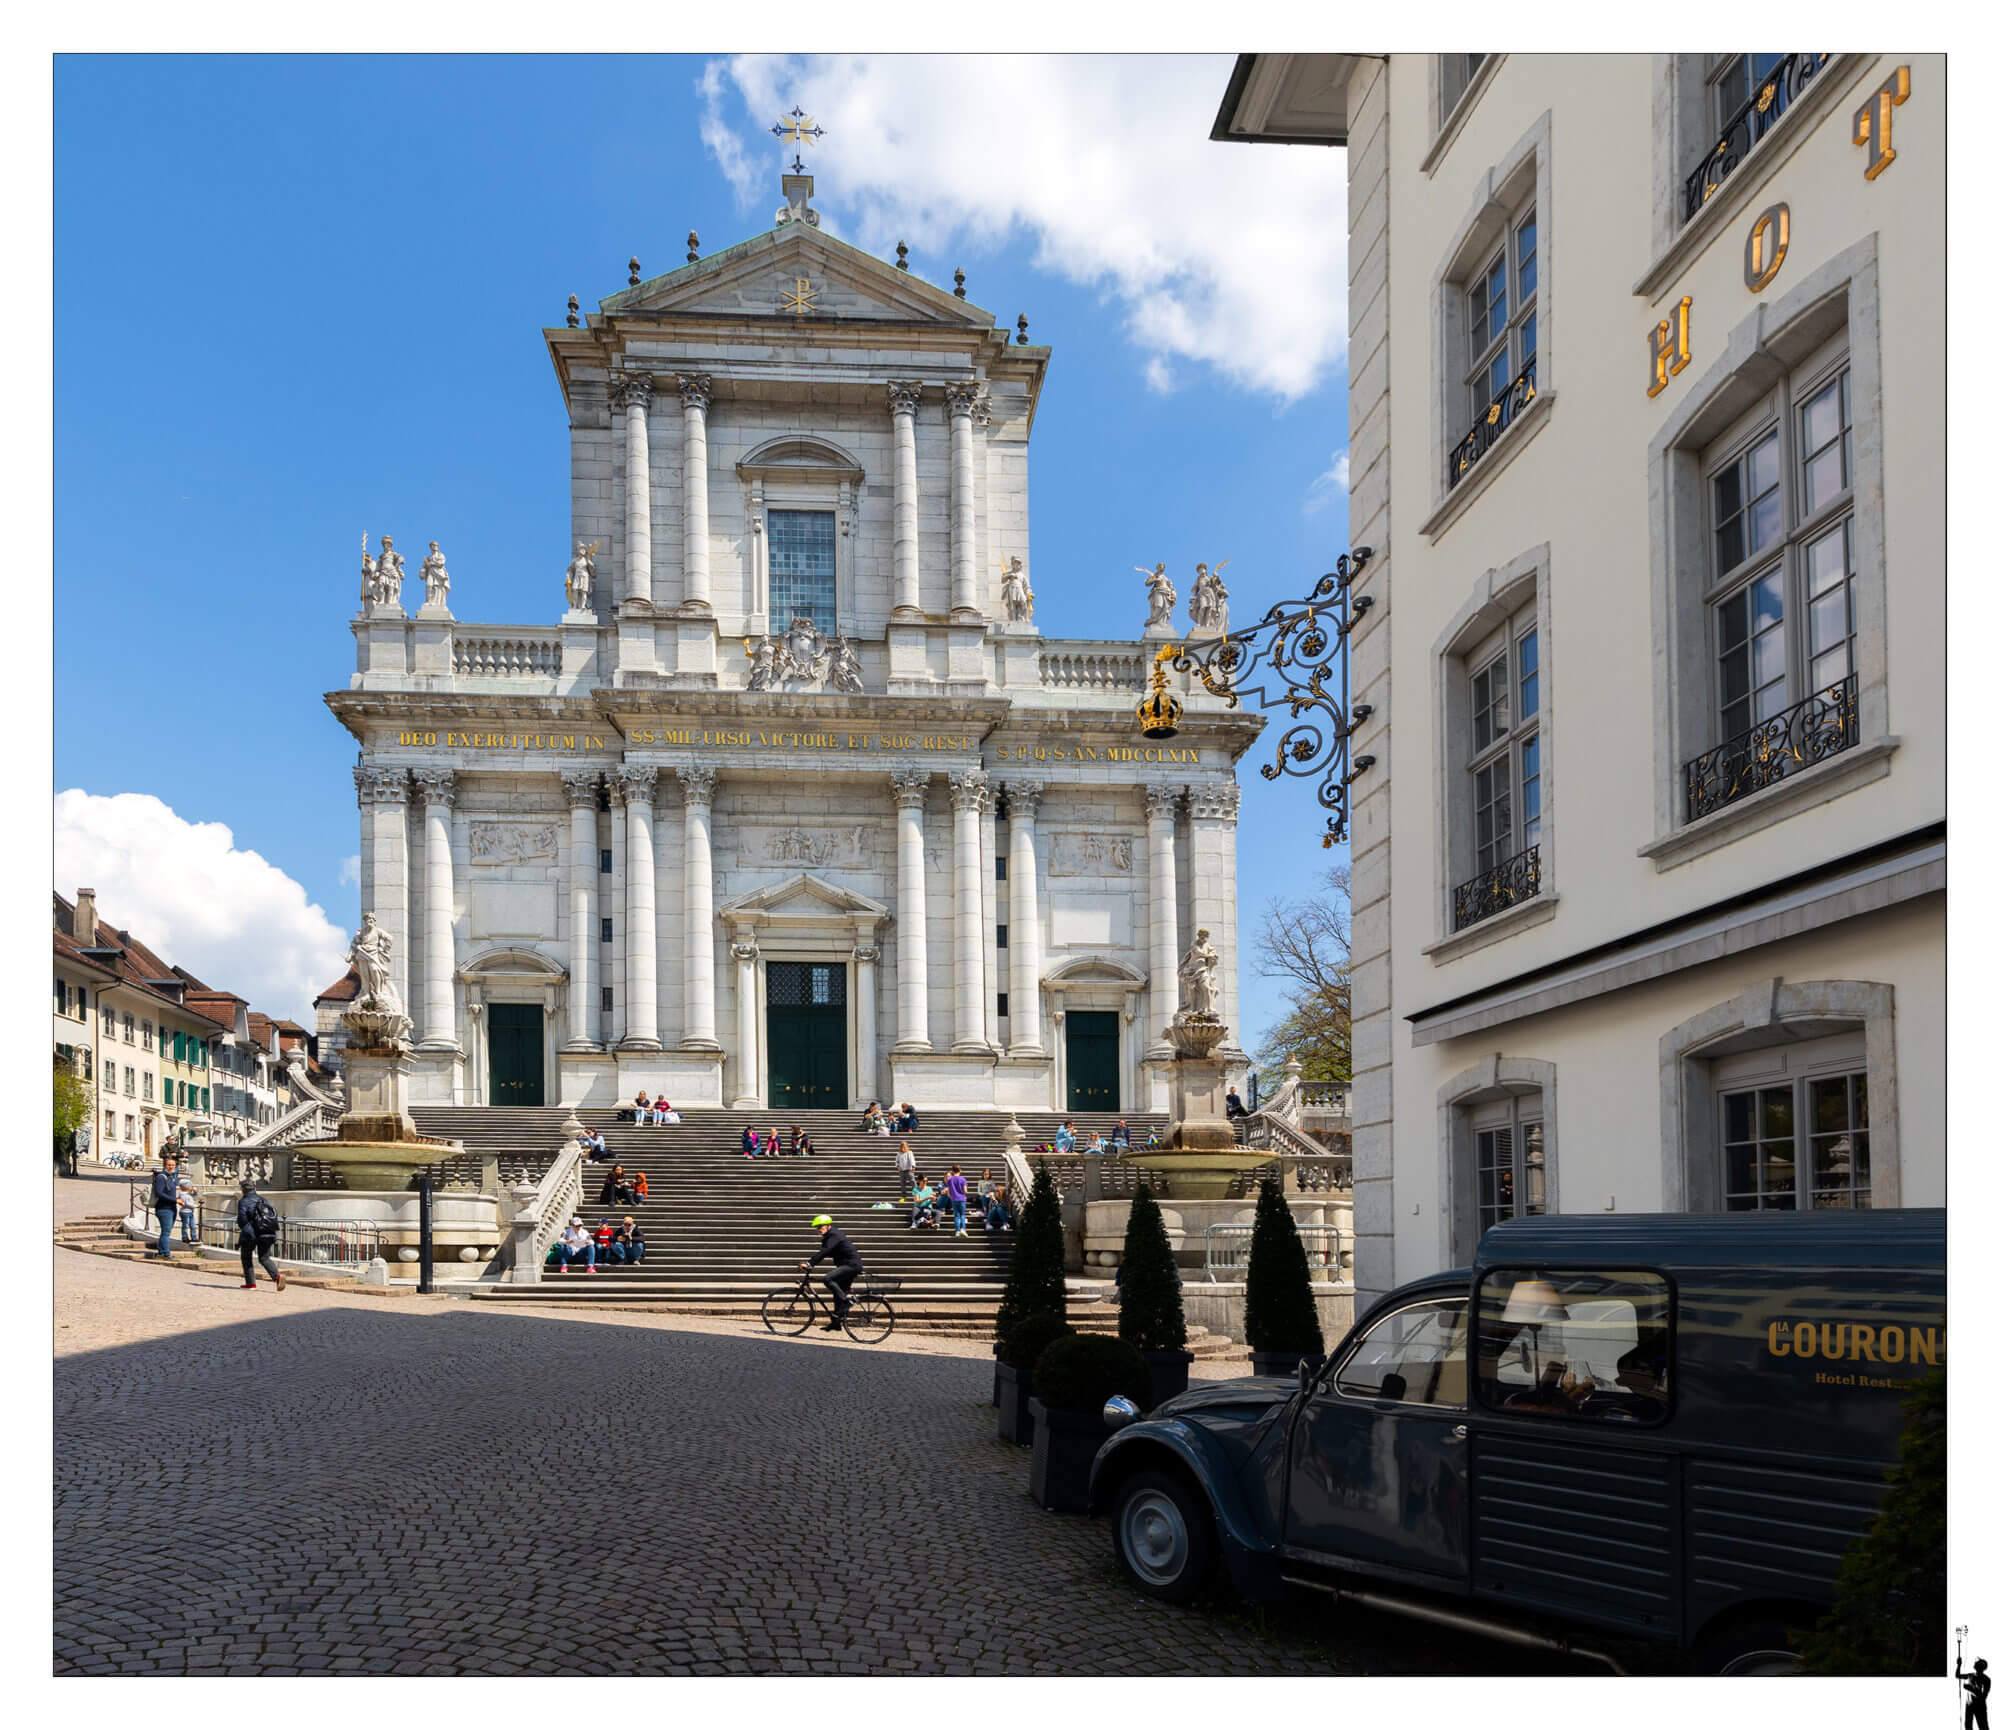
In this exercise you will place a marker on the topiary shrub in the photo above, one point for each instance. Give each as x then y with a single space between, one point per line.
1079 1372
1888 1615
1150 1317
1030 1337
1035 1275
1279 1314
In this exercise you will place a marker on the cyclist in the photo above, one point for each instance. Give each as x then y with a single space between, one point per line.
835 1246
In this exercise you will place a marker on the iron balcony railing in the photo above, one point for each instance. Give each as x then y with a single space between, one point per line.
1499 415
1512 881
1767 105
1822 726
1225 1251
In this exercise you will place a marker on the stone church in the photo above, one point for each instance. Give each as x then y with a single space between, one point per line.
792 804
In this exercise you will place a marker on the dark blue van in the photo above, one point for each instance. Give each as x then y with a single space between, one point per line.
1663 1428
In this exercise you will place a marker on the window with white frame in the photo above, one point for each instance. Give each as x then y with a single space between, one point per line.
1500 318
1780 585
146 1086
1509 1175
1503 765
131 1034
1793 1123
802 568
131 1081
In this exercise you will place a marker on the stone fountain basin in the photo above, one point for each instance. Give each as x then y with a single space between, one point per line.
1199 1176
385 1165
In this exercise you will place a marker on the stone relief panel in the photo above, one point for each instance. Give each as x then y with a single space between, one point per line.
844 844
514 843
1074 853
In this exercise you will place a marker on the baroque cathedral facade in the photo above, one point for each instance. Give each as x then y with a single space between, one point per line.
793 805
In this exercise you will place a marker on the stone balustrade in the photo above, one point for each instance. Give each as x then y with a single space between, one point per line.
1085 666
525 653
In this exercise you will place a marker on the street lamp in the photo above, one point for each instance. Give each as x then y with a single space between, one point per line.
1294 658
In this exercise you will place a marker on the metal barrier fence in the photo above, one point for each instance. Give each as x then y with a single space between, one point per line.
323 1242
1225 1251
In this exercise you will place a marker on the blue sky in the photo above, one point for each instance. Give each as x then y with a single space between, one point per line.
300 298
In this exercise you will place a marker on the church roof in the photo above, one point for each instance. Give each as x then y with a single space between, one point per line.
345 989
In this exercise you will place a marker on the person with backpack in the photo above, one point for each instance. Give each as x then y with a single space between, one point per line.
257 1234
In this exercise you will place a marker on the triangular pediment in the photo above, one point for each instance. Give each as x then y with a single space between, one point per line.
802 896
798 272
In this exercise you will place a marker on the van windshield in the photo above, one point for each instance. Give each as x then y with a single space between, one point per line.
1575 1345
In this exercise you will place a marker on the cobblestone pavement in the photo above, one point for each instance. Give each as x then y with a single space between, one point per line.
411 1486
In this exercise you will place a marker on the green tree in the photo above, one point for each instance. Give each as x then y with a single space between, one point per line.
1304 944
1888 1616
72 1110
1149 1297
1035 1275
1279 1314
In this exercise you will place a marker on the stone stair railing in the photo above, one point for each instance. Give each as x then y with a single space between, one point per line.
1307 1162
312 1119
541 1213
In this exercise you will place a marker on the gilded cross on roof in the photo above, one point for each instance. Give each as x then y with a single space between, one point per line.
797 127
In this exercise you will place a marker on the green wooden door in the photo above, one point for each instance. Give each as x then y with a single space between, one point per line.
514 1053
1091 1047
805 1027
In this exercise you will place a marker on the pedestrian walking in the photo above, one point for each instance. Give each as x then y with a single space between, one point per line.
906 1166
166 1204
954 1189
256 1235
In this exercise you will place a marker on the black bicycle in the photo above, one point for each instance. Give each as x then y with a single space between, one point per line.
869 1318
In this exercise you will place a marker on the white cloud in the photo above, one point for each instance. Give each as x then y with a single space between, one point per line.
1328 486
350 870
193 897
1230 255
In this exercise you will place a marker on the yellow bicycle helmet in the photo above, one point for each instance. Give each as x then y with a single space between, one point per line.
820 1219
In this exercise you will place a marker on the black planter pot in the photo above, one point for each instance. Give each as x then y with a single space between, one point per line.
996 1373
1017 1388
1170 1374
1065 1444
1284 1364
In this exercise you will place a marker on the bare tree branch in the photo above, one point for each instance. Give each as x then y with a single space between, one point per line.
1305 943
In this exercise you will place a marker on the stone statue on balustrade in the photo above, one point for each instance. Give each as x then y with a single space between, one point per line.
377 1018
843 669
437 580
1160 596
1199 968
580 577
803 659
1015 595
1208 602
381 578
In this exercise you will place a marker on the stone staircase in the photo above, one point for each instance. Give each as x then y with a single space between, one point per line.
722 1230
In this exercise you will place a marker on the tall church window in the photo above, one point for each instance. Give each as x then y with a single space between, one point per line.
802 554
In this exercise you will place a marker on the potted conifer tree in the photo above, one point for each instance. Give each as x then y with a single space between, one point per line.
1150 1318
1280 1319
1033 1308
1074 1376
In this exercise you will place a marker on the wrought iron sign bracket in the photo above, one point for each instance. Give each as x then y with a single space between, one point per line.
1295 658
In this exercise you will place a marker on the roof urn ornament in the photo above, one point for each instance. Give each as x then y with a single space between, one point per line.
632 265
902 255
1021 330
1208 602
573 303
958 279
694 247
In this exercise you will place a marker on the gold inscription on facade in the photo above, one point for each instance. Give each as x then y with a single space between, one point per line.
1668 347
1764 251
1871 121
700 737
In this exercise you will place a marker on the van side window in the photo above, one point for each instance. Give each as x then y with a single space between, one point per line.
1590 1346
1415 1356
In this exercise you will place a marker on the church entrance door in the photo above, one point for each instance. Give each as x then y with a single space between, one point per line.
514 1053
1091 1051
805 1020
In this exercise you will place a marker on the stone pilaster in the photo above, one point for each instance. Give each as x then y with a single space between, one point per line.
696 390
635 785
1024 921
903 399
744 952
968 404
632 394
698 906
969 794
913 1033
580 789
438 788
866 1081
1212 809
1162 922
385 791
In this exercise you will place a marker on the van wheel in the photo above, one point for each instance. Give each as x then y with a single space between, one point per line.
1160 1527
1751 1649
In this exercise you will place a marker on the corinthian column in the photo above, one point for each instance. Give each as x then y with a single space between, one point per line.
968 936
1160 914
440 1030
580 788
903 413
744 952
1024 920
642 947
698 909
967 403
633 392
696 389
913 1030
384 794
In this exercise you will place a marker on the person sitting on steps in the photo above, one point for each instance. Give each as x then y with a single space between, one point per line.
592 1143
749 1142
576 1245
616 1191
639 1187
628 1243
642 1107
1121 1138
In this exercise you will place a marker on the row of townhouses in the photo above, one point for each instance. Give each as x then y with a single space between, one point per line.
166 1057
1646 393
